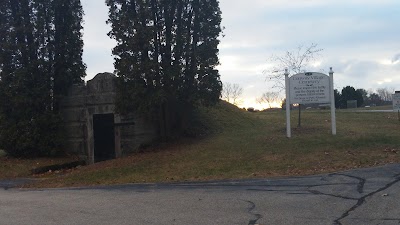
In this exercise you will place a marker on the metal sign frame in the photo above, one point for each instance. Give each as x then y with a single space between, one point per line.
396 102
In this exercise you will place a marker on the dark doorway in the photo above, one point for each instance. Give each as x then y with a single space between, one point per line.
104 138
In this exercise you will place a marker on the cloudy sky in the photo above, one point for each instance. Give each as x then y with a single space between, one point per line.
360 40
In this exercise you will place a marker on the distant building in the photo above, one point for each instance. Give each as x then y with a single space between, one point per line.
352 104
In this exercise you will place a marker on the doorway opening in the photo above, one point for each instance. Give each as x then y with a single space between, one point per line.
104 137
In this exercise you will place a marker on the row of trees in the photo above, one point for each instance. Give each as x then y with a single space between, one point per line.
349 93
165 57
40 58
382 96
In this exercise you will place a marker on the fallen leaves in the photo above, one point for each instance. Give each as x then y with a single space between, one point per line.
391 150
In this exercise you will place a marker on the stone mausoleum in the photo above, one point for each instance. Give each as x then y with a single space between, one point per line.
94 130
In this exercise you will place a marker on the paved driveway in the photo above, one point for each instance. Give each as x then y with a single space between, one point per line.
366 196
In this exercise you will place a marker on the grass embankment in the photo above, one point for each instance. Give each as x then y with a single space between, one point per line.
253 145
13 168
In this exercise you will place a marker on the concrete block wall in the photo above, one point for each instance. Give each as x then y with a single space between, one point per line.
98 97
73 112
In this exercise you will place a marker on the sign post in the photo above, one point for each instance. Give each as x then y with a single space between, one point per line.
288 127
306 88
396 103
333 108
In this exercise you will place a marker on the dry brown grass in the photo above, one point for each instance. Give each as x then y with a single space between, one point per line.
13 168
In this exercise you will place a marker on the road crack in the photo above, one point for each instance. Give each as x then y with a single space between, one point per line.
360 187
361 181
362 200
330 195
249 210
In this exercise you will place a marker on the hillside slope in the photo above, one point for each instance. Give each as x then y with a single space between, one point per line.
240 144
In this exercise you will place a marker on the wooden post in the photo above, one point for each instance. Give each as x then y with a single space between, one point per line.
299 124
333 109
287 83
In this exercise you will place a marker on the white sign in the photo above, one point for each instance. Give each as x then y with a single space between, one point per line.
396 102
309 88
305 88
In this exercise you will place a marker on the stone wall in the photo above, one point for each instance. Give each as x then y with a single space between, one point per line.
98 97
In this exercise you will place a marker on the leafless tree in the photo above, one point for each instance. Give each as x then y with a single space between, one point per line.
231 93
226 91
385 93
269 98
296 61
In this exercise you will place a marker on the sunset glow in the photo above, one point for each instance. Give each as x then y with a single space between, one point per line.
246 103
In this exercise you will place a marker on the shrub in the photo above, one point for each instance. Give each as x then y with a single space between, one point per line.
41 136
250 109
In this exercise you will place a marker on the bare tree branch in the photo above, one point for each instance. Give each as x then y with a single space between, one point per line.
296 61
385 93
231 93
226 91
269 98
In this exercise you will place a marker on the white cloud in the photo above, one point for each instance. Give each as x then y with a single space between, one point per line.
396 59
384 81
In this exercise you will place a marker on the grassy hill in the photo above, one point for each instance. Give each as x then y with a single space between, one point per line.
240 144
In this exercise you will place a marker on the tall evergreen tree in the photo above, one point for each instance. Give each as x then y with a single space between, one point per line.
349 93
29 59
166 54
68 46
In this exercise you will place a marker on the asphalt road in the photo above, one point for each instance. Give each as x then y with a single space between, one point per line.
365 196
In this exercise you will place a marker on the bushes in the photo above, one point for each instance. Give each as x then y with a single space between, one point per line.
250 109
40 136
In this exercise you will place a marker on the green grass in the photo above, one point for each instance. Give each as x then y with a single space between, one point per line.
245 145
